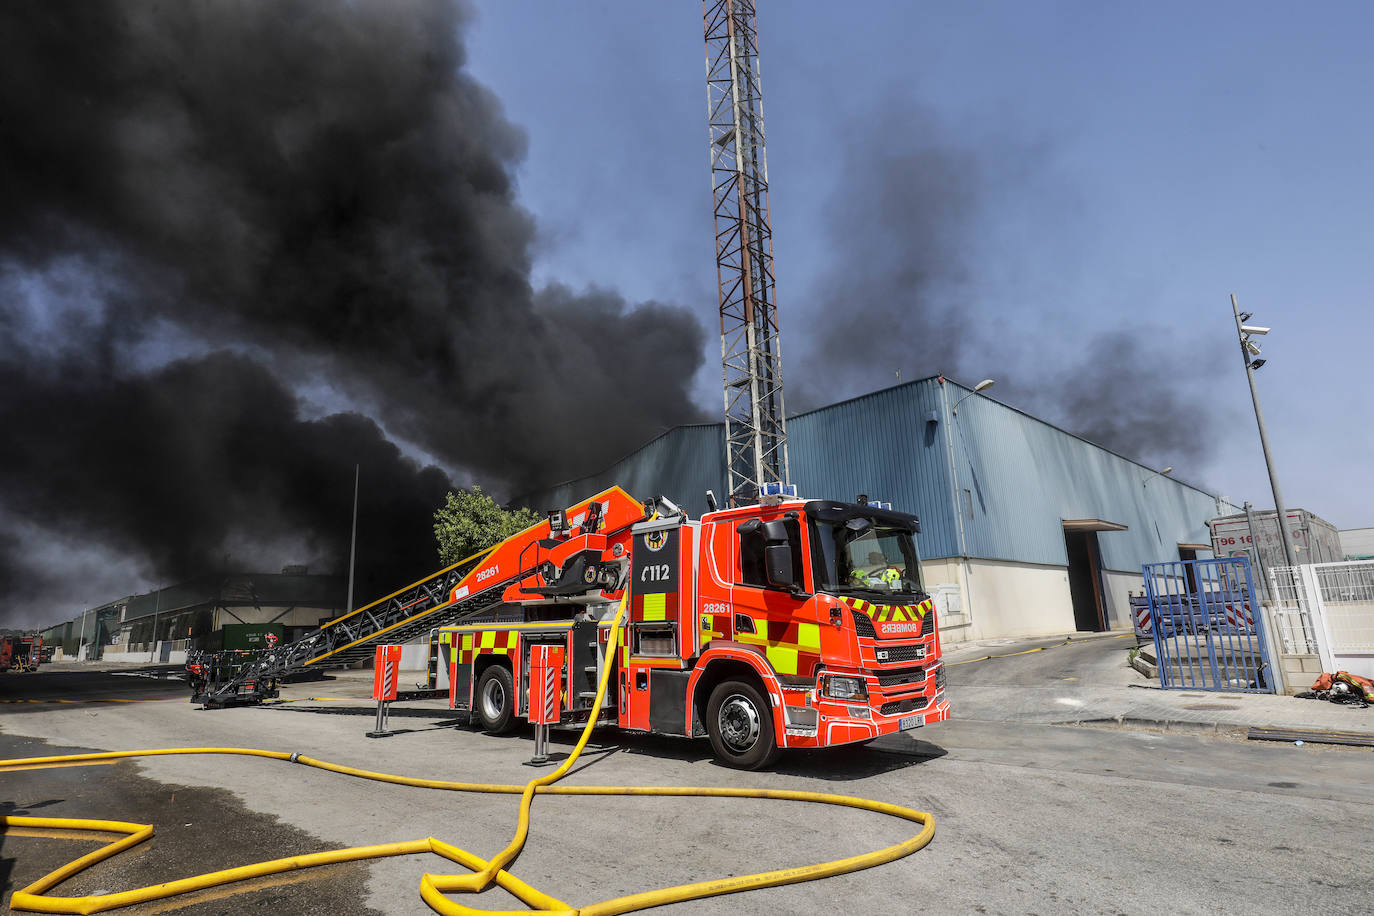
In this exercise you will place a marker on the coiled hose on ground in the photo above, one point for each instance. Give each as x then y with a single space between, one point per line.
435 888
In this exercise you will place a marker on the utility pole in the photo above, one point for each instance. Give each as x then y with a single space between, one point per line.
157 608
353 541
1255 548
1248 350
751 361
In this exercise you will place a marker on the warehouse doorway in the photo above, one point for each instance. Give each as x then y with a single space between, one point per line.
1187 553
1085 572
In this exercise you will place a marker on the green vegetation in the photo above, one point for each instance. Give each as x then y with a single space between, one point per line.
470 521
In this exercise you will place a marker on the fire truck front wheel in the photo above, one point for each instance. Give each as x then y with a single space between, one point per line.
496 700
740 724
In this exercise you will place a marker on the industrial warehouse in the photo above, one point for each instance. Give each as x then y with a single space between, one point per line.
232 611
1026 529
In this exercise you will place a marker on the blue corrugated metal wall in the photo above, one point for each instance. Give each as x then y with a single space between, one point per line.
882 445
1017 477
1024 476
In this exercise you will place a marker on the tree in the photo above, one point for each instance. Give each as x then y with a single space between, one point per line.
470 521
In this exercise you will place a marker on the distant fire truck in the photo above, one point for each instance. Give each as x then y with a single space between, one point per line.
20 653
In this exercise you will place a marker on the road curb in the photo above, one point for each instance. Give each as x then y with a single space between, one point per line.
1141 723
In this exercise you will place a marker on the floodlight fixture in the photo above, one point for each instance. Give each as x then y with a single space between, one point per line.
984 385
1160 473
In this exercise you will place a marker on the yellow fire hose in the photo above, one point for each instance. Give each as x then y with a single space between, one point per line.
483 873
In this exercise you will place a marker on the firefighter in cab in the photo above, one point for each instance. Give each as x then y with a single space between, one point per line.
885 572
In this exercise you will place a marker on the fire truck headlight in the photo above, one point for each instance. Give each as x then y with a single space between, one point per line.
844 688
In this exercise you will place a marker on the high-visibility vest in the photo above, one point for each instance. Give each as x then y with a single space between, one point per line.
891 576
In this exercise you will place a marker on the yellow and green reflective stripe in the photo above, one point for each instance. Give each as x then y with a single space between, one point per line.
656 607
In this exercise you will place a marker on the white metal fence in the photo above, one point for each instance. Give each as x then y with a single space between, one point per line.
1296 632
1329 609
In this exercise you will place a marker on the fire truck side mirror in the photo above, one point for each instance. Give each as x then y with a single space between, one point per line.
777 561
777 555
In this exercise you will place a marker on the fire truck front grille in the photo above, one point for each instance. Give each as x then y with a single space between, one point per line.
904 653
901 706
863 624
904 676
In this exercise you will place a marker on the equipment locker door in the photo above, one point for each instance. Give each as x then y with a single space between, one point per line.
656 582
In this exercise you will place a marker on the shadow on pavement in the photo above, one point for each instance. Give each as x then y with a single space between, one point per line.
842 764
849 762
368 710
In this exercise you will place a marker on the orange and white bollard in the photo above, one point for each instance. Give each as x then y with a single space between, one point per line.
386 676
546 669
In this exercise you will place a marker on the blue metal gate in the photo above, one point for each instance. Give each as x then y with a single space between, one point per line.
1208 630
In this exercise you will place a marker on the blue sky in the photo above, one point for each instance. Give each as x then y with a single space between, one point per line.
1135 164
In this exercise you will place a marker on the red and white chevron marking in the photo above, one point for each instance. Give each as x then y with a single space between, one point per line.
550 694
1144 623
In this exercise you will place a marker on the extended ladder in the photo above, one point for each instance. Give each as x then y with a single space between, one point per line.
397 618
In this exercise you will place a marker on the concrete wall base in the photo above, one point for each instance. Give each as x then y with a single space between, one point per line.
1299 671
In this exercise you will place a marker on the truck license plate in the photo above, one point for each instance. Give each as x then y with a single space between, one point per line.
911 722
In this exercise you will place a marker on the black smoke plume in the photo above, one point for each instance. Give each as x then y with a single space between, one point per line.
1139 397
244 246
898 227
907 227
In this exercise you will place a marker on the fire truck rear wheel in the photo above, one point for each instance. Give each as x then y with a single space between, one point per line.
496 700
740 724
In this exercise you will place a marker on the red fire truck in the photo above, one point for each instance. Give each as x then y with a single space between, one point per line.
20 653
788 623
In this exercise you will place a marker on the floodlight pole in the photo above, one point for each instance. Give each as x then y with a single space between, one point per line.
353 541
1284 535
157 609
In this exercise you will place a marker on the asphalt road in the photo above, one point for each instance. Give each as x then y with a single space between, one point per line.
1032 818
68 685
198 830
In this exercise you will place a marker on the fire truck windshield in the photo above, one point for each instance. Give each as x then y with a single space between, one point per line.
864 556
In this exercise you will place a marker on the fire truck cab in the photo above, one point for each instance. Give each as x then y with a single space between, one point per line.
788 623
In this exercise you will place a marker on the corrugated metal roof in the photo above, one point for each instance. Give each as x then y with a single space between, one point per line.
242 589
681 464
1014 477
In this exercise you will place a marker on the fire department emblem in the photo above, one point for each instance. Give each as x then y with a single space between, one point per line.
655 540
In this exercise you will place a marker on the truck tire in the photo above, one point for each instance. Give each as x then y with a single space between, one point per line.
740 724
496 700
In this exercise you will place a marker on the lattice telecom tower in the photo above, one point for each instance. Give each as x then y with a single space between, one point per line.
755 434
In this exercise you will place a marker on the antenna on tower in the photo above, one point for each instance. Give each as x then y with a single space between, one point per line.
751 362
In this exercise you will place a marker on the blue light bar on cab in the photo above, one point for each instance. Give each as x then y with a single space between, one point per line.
778 489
